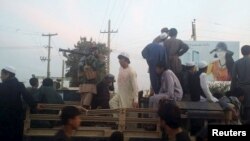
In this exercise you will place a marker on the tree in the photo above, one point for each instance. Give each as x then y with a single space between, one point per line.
86 54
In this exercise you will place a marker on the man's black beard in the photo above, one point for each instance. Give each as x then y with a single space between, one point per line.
112 88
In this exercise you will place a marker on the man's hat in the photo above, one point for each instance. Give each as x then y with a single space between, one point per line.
124 55
10 69
202 64
163 35
190 64
110 77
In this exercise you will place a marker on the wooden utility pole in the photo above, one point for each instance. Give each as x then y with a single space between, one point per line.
108 43
48 58
62 83
194 37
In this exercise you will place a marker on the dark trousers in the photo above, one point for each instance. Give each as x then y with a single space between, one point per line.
11 129
155 79
245 113
196 125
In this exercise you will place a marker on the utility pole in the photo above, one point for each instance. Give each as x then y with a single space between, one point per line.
48 58
194 37
108 43
63 62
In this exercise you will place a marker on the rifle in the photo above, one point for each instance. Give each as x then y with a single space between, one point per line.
76 52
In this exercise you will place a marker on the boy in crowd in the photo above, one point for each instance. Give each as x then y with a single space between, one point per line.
170 121
48 94
70 118
33 90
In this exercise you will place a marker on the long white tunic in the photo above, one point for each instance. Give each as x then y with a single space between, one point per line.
205 88
127 87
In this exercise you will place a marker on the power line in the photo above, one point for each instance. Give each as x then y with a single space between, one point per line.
112 8
103 20
225 26
19 30
122 7
123 16
223 32
19 47
150 10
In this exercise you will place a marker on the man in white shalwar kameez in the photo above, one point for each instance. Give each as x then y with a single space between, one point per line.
127 96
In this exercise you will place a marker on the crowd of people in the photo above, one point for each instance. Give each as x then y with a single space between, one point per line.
170 80
15 98
174 81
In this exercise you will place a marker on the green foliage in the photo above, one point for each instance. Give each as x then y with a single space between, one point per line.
86 53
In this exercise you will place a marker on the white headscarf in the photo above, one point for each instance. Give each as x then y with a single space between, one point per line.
163 35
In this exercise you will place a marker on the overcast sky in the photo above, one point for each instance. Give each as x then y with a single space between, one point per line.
138 22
